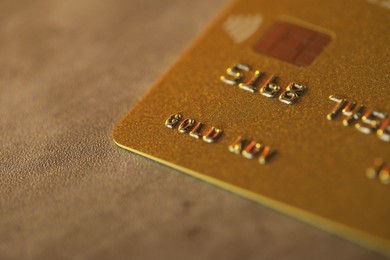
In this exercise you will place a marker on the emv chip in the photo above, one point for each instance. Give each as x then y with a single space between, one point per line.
292 43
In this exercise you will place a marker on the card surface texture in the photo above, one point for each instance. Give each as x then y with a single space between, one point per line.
285 103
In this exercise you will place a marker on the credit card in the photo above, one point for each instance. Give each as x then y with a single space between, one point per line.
285 103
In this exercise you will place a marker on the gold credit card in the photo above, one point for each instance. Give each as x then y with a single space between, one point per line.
285 103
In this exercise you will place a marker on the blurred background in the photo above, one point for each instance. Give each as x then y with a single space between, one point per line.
69 71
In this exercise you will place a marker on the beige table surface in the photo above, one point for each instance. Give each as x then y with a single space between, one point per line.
70 70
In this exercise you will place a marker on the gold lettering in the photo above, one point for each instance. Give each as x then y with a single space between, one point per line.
172 121
195 131
212 135
186 125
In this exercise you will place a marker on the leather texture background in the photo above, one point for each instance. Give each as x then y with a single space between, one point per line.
69 71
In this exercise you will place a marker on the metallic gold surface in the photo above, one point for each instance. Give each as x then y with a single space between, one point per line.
319 172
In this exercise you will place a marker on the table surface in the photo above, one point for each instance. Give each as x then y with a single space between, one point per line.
69 71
